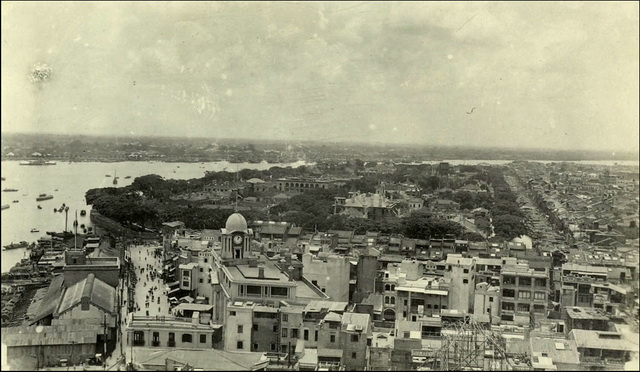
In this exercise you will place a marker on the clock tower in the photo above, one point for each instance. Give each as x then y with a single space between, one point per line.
236 239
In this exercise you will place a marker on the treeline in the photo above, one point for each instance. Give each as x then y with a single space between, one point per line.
508 218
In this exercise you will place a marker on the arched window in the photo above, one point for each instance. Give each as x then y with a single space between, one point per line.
186 337
393 287
386 299
387 287
393 300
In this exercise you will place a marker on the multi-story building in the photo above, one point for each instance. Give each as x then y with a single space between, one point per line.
525 293
173 332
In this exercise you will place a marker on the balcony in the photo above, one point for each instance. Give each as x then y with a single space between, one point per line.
155 343
138 342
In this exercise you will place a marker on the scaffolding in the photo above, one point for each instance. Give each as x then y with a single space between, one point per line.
467 346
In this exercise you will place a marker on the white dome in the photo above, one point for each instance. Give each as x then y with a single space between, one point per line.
236 222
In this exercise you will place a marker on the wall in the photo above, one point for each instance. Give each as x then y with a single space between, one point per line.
244 318
332 275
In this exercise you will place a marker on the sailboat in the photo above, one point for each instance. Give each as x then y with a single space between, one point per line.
115 178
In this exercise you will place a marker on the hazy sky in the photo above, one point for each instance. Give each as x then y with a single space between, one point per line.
562 75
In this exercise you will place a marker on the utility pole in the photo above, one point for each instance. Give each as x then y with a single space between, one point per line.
104 354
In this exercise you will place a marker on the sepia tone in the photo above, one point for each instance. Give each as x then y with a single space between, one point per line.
320 185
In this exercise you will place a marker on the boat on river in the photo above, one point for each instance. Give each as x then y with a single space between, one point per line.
37 162
42 197
9 190
5 206
34 230
22 244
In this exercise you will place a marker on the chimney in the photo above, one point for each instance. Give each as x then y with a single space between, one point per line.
261 270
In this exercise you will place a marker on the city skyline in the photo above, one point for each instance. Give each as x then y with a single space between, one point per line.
433 74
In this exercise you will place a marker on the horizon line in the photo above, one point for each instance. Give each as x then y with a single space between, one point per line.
332 141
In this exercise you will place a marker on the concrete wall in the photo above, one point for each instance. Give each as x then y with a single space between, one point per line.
332 275
244 318
27 358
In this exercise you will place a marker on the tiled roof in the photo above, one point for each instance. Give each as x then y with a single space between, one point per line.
99 293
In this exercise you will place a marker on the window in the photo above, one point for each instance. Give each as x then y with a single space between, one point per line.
540 282
279 291
490 299
206 260
255 290
540 310
332 339
524 294
428 306
393 287
172 339
187 337
414 318
285 317
306 335
232 313
523 307
201 281
185 283
524 281
255 347
354 355
406 334
203 339
386 299
508 293
509 280
285 332
138 338
315 338
294 333
255 327
239 345
444 307
240 329
435 306
354 338
185 274
406 302
387 287
393 300
466 271
539 296
273 347
275 328
201 270
465 281
508 306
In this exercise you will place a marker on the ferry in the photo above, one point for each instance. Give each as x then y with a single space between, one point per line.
34 230
83 212
39 207
22 244
5 206
42 197
16 201
127 177
10 190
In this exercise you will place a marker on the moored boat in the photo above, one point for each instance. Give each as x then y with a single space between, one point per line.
42 197
34 230
22 244
83 212
9 190
5 206
37 162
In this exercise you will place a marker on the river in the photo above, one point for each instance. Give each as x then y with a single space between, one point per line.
68 183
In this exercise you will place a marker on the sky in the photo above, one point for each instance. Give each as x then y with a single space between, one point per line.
561 75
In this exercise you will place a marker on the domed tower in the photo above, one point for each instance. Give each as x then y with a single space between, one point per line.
236 238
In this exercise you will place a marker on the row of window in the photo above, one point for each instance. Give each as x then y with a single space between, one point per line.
138 338
256 290
524 281
511 293
524 307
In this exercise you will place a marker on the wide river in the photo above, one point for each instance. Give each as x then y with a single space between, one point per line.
68 183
